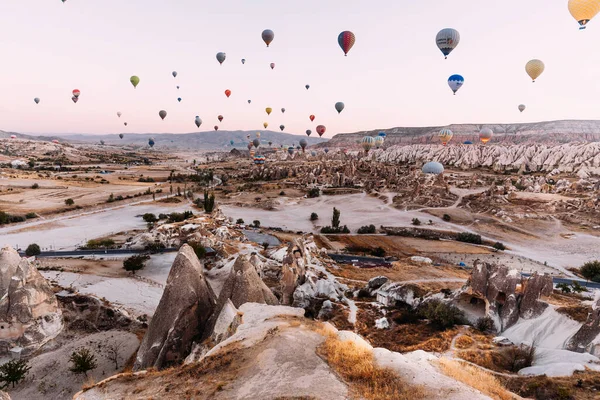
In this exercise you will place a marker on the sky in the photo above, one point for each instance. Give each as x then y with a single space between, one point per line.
394 76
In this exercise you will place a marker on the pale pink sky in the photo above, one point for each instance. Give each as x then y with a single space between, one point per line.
394 75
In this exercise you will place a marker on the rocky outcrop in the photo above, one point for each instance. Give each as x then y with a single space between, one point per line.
29 311
89 314
183 313
503 294
293 271
587 337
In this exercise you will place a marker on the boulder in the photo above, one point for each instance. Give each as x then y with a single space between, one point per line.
377 282
29 311
182 314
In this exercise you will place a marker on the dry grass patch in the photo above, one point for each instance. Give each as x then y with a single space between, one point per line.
464 342
578 313
476 378
356 365
581 386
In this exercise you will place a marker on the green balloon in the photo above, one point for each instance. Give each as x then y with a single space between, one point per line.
134 81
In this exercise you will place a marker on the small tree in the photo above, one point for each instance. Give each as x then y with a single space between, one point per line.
113 350
335 220
69 202
416 221
314 192
13 372
35 186
577 288
565 288
314 217
591 271
485 324
239 221
265 245
441 315
499 246
149 218
256 223
33 250
198 249
83 360
135 263
209 202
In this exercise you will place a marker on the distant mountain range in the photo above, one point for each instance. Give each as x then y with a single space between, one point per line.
220 140
550 132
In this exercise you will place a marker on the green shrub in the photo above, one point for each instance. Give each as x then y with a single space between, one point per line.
149 218
35 186
499 246
565 288
447 218
314 216
31 215
441 315
198 249
416 221
367 229
83 360
485 324
468 237
13 372
69 202
239 221
378 252
135 263
591 271
33 250
314 192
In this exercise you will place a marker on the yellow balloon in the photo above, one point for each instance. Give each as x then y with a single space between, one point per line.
584 10
265 125
445 135
534 69
268 110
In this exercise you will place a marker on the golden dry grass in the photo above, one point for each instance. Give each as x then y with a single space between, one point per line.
487 359
476 378
356 366
464 342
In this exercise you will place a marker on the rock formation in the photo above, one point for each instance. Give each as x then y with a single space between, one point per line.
29 312
503 294
183 312
293 271
586 338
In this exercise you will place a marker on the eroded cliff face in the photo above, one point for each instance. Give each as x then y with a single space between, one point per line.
29 311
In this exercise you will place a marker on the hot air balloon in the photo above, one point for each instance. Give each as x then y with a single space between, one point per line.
270 143
75 99
445 135
321 130
13 136
382 134
257 134
119 113
125 123
534 69
249 101
256 142
268 110
455 82
220 118
378 141
432 167
134 81
282 127
266 124
221 57
485 135
346 40
272 65
228 93
312 118
291 150
522 107
231 142
268 36
367 143
179 99
198 121
303 144
313 153
37 100
307 87
248 137
243 61
447 40
308 132
326 150
174 74
102 143
584 10
177 87
259 160
55 141
151 142
76 92
121 136
467 142
250 145
283 110
216 128
162 114
339 106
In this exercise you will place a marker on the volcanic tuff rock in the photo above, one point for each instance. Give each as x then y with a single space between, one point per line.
29 312
293 271
183 312
587 336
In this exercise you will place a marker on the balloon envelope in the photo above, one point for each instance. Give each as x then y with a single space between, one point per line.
522 107
198 121
256 142
447 40
249 101
346 40
534 69
134 81
433 167
282 127
220 118
307 87
151 142
119 113
367 143
283 110
228 93
308 132
321 130
445 135
268 110
303 144
339 106
162 114
221 57
37 100
272 65
268 36
216 128
485 135
312 118
584 10
121 135
378 141
75 99
174 74
179 99
455 82
266 124
243 61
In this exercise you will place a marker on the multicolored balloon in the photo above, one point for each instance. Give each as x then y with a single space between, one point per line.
268 36
346 40
379 141
447 40
455 82
75 99
76 92
134 81
445 136
367 143
433 168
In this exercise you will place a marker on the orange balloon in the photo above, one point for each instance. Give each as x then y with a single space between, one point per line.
228 93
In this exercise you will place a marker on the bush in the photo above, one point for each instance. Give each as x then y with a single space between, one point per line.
441 315
565 288
209 202
468 237
256 223
33 250
485 324
135 263
180 217
198 249
83 360
240 221
499 246
577 288
591 271
416 221
378 252
335 220
35 186
31 215
314 192
13 372
100 243
149 218
69 202
314 216
519 357
329 229
447 218
367 229
282 193
154 247
265 245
